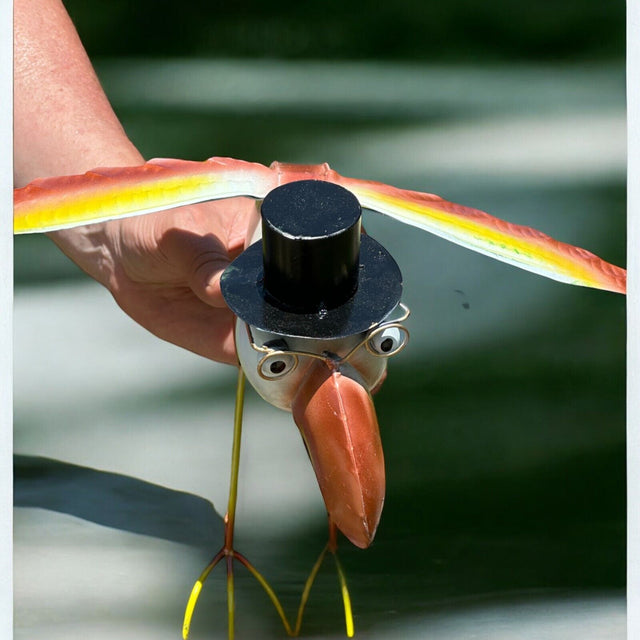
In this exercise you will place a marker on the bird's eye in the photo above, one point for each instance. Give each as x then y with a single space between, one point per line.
387 341
277 365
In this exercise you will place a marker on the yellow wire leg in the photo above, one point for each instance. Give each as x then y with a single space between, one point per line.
231 601
227 550
195 594
307 589
270 592
344 590
346 599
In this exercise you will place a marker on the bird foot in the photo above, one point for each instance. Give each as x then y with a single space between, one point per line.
331 547
231 554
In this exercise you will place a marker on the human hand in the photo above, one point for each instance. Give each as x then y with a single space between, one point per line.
164 269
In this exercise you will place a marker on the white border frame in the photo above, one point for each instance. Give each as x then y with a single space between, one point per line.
6 320
633 312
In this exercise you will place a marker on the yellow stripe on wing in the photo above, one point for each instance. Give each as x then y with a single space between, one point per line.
50 204
517 245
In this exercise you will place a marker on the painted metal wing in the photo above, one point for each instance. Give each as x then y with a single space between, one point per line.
514 244
50 204
57 203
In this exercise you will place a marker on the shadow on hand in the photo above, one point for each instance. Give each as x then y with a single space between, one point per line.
116 501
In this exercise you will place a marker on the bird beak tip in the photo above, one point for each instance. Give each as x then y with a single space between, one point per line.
363 533
337 420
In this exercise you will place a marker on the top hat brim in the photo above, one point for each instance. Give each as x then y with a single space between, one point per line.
379 291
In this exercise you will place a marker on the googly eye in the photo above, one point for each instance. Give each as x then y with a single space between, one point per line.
387 341
277 365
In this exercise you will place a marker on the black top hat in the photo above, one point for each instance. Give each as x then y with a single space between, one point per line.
313 275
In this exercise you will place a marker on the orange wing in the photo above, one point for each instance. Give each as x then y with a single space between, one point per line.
57 203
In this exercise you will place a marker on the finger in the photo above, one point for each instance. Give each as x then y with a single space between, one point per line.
201 259
205 279
241 232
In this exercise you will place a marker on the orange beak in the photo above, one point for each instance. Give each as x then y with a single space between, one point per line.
337 420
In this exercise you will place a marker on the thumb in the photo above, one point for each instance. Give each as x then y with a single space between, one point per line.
205 278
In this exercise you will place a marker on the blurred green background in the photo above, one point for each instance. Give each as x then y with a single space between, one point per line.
456 31
503 423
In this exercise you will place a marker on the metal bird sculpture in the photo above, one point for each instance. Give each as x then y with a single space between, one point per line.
318 304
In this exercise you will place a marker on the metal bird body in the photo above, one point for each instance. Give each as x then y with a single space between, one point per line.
321 364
